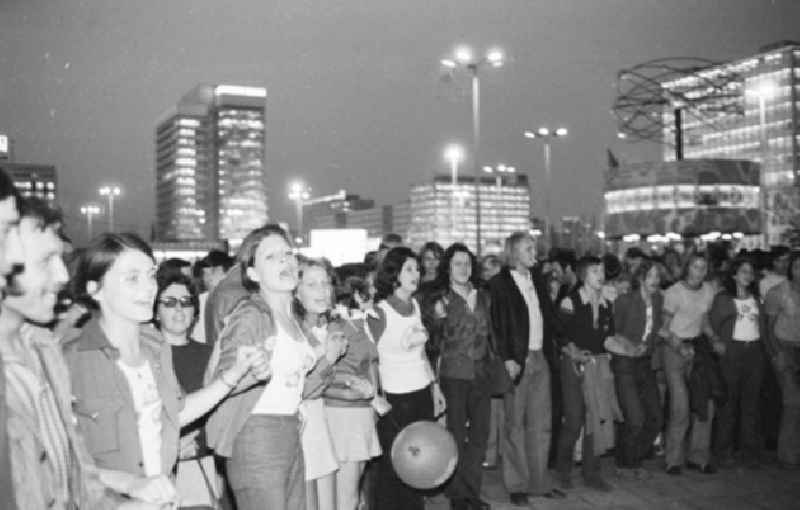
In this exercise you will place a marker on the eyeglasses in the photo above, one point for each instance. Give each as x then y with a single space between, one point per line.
172 302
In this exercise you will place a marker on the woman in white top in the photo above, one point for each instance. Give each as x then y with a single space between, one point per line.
258 428
736 317
405 374
126 395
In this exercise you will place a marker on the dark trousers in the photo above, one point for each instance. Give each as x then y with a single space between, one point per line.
467 403
390 492
574 420
637 393
743 370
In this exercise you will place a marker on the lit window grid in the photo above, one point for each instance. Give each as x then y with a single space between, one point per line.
504 210
682 196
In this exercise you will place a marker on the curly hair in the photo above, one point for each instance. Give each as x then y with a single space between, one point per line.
443 273
386 279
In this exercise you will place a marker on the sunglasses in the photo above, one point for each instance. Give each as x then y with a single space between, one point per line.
172 302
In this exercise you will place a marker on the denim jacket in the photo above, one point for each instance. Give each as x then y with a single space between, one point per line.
104 403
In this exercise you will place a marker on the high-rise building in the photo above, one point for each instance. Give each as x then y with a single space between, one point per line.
34 180
330 211
442 212
210 165
758 119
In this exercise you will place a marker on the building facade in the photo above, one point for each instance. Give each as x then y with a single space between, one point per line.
689 198
446 213
758 119
33 180
211 165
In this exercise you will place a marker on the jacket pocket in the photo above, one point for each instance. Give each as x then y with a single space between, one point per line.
99 419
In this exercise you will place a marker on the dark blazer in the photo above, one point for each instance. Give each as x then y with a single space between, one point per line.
509 314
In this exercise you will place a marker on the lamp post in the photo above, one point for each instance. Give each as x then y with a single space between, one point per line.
465 60
499 170
110 192
546 136
89 210
299 193
765 90
453 154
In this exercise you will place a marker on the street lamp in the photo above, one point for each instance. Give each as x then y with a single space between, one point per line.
499 169
546 136
765 90
299 193
110 192
90 210
453 154
464 59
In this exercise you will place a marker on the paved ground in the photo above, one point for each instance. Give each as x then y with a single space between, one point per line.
735 489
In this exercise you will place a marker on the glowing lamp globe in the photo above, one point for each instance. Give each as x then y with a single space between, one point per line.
424 455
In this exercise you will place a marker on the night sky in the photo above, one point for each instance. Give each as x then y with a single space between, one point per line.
355 95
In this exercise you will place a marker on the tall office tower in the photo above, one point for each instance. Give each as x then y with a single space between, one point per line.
210 165
757 119
445 213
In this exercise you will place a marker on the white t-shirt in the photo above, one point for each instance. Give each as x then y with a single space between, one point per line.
745 329
535 323
147 404
687 307
291 361
403 367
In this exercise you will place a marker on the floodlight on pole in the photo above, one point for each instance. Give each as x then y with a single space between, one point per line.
453 154
546 135
299 193
110 192
90 211
463 58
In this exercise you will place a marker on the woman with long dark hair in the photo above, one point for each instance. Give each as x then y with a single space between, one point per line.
405 374
461 330
736 317
637 319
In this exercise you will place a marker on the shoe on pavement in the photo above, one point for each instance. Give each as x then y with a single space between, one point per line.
518 498
479 504
706 469
673 470
598 484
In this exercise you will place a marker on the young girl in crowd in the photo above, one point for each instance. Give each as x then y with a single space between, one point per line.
461 330
258 427
736 317
313 300
686 306
637 320
406 376
348 400
127 398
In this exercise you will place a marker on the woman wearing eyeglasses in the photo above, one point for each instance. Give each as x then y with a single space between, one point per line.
175 313
126 395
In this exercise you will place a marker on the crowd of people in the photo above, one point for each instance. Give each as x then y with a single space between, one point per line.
274 380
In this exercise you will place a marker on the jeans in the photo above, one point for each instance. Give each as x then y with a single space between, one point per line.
390 492
266 466
574 420
467 402
743 369
528 429
637 393
789 380
676 369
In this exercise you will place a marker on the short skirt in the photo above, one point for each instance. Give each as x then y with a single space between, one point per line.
318 452
355 437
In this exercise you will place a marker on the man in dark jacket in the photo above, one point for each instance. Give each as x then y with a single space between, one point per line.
524 321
